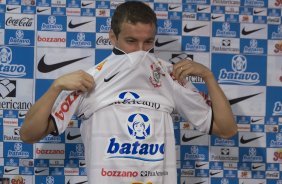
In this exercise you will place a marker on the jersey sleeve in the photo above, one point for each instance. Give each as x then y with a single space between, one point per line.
192 106
65 107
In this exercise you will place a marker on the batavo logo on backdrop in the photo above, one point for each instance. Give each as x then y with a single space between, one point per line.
52 26
239 74
226 30
139 129
167 28
6 68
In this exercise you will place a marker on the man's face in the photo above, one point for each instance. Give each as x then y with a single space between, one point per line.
134 37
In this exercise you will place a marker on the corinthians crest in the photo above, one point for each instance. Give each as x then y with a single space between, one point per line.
155 77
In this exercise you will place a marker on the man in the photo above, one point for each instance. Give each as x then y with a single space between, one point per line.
132 88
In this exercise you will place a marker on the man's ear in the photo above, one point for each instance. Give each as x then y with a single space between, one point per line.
112 37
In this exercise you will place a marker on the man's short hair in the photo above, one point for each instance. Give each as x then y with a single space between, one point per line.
132 12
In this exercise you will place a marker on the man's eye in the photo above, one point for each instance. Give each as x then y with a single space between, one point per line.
149 42
130 41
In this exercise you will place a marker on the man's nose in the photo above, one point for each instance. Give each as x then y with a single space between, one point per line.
141 46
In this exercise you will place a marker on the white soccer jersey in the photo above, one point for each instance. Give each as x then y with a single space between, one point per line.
127 129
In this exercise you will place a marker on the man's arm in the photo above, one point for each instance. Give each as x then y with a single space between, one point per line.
224 124
37 123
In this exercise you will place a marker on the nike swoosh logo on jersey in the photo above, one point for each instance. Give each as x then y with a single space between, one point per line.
256 167
185 139
160 44
41 10
110 78
172 8
45 68
72 26
244 32
255 120
201 9
85 4
187 30
9 170
77 182
11 9
214 173
237 100
72 137
216 17
257 12
39 171
245 141
200 165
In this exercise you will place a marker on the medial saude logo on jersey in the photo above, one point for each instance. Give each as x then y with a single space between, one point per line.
139 128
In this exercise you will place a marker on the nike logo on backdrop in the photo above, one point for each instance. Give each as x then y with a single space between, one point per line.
82 164
72 26
41 10
216 17
257 12
45 68
244 32
160 44
245 141
39 171
201 9
86 4
72 137
200 165
214 173
11 9
185 139
237 100
200 182
110 78
255 120
172 8
77 182
9 170
256 167
187 30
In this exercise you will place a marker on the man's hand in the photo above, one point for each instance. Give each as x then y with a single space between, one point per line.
186 67
79 81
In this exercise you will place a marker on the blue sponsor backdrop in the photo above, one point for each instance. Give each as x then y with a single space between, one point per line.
240 40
